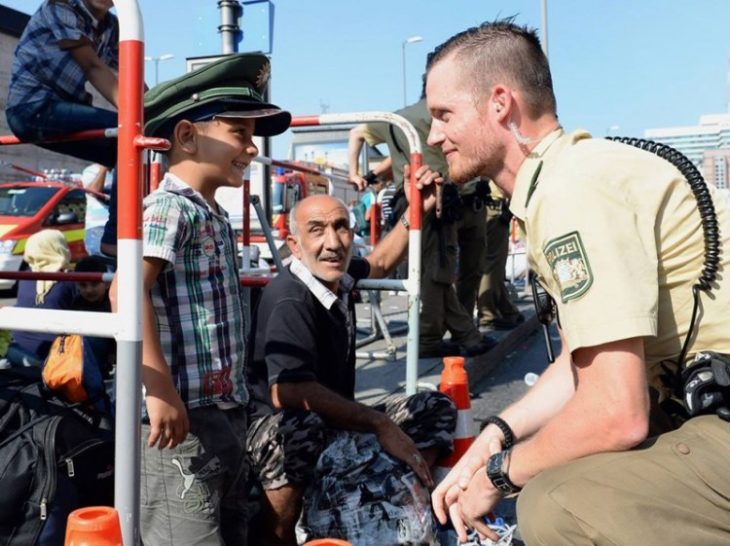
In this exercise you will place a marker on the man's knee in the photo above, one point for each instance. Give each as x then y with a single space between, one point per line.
284 447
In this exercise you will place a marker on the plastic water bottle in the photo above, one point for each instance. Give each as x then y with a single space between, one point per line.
531 378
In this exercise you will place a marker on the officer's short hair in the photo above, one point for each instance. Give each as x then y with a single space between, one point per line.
502 51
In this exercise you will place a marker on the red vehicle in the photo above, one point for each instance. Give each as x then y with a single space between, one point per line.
287 189
28 207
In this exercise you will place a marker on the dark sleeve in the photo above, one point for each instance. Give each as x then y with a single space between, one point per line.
290 342
359 268
62 295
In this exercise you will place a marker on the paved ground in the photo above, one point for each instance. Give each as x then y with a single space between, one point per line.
377 376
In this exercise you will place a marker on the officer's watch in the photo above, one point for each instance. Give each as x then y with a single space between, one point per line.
498 472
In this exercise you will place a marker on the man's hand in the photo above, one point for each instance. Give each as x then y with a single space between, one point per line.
474 503
399 445
168 418
458 479
358 181
426 180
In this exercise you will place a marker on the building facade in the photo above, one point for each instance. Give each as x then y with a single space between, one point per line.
707 145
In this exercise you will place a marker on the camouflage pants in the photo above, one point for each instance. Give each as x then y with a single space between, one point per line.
284 447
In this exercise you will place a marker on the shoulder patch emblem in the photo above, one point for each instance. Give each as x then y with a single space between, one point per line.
569 263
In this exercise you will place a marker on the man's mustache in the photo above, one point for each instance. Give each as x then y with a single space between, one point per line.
332 255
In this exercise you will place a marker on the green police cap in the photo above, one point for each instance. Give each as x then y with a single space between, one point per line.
229 87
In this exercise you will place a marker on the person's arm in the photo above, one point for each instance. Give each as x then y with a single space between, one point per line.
97 183
356 141
97 72
338 412
384 169
611 388
168 416
608 412
389 252
542 401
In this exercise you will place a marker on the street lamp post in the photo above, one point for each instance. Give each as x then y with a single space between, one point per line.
411 40
156 60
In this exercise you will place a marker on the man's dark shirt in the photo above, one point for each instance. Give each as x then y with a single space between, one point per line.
298 339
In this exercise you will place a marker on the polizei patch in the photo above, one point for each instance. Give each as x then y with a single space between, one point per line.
570 266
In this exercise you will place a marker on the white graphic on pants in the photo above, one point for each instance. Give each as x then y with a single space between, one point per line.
194 491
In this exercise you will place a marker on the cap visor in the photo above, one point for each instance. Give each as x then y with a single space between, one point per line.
270 120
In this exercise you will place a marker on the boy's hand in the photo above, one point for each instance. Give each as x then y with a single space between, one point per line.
168 418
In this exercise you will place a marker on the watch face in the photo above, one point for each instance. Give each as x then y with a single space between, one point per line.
497 474
494 465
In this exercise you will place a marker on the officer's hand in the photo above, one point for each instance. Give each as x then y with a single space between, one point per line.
399 445
428 181
474 503
458 479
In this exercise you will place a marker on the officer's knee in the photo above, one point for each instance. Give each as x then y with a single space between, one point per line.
543 521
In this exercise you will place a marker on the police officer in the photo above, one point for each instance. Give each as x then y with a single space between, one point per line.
471 233
614 235
494 306
440 310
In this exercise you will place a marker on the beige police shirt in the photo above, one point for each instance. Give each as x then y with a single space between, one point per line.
420 118
614 235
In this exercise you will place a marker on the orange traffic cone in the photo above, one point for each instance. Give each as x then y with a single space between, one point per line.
455 384
93 526
327 542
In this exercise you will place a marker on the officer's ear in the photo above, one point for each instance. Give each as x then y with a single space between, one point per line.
500 102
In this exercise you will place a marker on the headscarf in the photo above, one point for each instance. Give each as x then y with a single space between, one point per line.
46 251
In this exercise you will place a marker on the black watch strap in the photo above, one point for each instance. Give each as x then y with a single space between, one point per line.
501 424
498 472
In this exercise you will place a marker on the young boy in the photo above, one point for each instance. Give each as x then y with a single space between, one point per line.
194 460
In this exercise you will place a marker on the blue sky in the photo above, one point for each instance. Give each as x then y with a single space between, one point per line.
627 63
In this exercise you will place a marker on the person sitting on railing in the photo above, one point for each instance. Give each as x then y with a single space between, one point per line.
45 251
194 465
302 375
66 44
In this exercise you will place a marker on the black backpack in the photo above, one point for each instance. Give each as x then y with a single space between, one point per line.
54 457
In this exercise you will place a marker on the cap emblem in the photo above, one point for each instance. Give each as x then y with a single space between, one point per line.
262 78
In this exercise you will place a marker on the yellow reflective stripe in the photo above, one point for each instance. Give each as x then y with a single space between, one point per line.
6 227
74 235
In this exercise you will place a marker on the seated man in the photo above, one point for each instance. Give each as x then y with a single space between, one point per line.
303 371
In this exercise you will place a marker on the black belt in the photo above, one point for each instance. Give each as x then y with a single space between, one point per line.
473 202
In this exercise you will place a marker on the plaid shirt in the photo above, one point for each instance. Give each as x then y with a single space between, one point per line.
197 297
42 71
